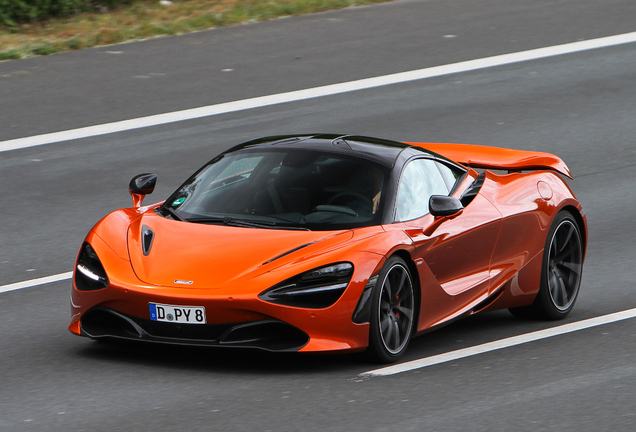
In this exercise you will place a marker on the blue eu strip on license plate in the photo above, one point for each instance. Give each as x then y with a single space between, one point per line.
177 314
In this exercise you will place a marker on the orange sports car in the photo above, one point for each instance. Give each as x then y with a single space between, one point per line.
333 243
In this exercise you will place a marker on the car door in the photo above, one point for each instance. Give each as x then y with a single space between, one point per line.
457 253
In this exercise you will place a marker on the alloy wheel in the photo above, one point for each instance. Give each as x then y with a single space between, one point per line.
565 265
396 307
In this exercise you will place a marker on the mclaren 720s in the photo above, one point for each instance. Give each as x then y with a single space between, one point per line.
321 242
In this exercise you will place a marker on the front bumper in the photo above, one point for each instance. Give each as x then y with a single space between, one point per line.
236 317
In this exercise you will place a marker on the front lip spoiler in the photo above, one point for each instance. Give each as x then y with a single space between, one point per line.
269 335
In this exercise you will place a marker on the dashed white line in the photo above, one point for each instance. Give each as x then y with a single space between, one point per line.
500 344
36 282
328 90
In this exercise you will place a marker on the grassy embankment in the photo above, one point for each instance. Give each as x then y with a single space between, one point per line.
145 19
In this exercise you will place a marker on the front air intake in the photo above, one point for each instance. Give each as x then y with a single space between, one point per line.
106 322
269 335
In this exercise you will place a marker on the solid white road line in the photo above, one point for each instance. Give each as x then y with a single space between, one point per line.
316 92
500 344
36 282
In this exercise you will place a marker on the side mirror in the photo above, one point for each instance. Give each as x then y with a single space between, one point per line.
443 208
440 205
140 186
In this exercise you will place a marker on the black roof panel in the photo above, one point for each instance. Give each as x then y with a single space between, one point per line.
381 150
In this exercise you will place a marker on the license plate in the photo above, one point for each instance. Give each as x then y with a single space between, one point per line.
177 314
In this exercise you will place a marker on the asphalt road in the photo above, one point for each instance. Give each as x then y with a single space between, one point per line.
580 106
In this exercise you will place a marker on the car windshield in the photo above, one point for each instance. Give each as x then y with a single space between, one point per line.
283 189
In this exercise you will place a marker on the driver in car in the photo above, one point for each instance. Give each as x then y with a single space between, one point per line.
366 182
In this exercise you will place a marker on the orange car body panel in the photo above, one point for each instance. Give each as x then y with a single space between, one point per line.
487 257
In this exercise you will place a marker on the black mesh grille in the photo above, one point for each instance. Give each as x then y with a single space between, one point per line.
271 335
210 332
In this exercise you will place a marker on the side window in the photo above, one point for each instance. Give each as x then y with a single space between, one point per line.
450 174
420 179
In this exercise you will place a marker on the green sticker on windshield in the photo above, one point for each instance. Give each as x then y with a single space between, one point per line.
178 202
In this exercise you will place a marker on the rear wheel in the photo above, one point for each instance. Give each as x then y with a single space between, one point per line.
392 313
560 273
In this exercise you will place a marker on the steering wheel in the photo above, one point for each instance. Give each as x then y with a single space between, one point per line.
358 196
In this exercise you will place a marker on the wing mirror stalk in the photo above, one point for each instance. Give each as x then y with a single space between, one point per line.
140 186
443 208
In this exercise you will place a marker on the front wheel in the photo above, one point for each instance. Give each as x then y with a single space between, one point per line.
392 313
560 273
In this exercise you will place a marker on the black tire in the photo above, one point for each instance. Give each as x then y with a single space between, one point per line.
392 312
560 272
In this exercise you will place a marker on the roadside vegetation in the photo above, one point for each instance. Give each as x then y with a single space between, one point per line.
40 27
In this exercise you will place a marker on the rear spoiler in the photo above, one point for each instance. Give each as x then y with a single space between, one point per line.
477 156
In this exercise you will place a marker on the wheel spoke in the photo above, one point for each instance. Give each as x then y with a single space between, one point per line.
408 313
387 286
396 335
385 324
560 274
554 285
406 296
563 291
568 236
553 249
573 267
400 284
385 307
561 256
389 334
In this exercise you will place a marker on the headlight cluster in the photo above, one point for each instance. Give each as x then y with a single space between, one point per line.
316 289
89 272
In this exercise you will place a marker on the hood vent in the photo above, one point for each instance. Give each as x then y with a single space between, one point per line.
288 252
147 235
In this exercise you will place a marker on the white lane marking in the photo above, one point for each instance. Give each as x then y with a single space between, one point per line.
36 282
500 344
328 90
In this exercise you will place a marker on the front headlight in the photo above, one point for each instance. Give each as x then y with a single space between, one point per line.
316 289
342 270
89 272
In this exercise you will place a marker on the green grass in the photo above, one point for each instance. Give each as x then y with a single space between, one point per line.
145 19
10 54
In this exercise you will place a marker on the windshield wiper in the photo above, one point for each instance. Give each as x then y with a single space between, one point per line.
228 220
173 214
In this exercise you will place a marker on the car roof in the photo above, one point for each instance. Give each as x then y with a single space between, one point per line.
379 150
